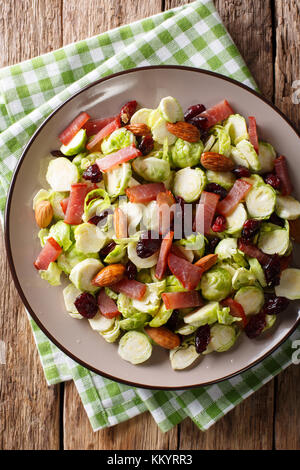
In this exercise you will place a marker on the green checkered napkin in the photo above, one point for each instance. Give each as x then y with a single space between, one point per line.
191 35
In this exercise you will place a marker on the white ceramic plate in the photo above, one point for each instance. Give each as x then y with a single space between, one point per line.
45 303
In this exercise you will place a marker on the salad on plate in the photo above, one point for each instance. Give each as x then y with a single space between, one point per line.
170 228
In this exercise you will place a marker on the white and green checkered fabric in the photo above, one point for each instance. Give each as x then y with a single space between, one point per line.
191 35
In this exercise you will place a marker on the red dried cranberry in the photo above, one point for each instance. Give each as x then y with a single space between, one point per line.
212 243
131 270
241 172
148 244
93 174
202 338
198 121
216 189
107 249
57 153
193 111
275 305
99 218
272 270
250 228
274 219
273 180
127 111
86 305
255 325
219 224
146 145
174 321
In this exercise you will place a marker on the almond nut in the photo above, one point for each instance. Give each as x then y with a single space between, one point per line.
185 131
206 262
109 275
139 129
43 214
164 337
216 162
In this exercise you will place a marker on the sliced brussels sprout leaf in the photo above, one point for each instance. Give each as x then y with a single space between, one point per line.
238 157
135 347
117 179
55 199
89 238
216 284
95 202
287 207
141 262
88 160
61 174
209 143
83 273
151 216
223 337
41 195
225 179
160 132
134 322
125 306
206 315
248 151
113 333
151 301
289 285
227 249
266 155
236 220
195 241
170 109
161 317
76 145
70 293
113 295
189 183
183 356
154 117
270 321
43 235
186 330
225 318
141 116
151 169
173 284
117 140
236 127
134 213
51 274
101 323
258 271
273 239
260 201
251 299
116 255
222 144
61 232
186 154
144 275
67 261
242 277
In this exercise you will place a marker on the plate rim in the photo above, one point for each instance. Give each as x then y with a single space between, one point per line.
7 224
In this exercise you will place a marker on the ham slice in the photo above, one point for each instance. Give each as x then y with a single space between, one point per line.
67 135
236 309
282 172
162 262
173 300
104 132
107 306
144 193
93 126
253 133
187 273
251 250
131 288
75 207
121 156
205 212
50 252
237 193
216 114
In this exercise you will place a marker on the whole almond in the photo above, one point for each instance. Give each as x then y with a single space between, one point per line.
164 337
216 162
206 262
43 213
184 130
109 275
138 129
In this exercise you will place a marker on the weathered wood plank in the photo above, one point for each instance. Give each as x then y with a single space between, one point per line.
29 409
140 432
287 66
239 429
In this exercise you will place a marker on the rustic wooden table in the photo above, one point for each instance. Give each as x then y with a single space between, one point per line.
34 416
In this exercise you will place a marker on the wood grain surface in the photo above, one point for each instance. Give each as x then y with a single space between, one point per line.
34 416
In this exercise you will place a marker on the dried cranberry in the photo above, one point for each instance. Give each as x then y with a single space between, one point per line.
274 219
131 270
146 145
202 338
216 189
174 321
241 172
212 243
273 180
93 174
250 228
57 153
99 218
272 270
219 224
86 305
127 111
198 121
255 325
148 244
107 249
193 111
275 305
